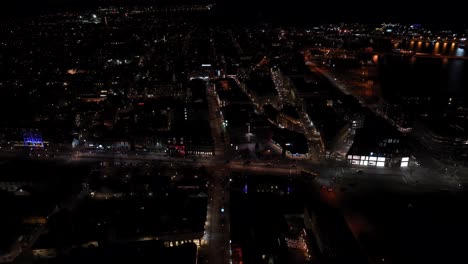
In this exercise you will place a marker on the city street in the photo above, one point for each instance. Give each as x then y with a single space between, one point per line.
285 89
419 177
218 220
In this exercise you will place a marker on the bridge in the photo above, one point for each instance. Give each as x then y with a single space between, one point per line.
456 41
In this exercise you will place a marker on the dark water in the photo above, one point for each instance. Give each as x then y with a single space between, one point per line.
424 77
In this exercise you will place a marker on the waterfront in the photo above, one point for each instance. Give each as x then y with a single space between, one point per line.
443 47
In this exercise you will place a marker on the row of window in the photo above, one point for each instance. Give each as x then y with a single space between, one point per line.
368 163
364 158
374 161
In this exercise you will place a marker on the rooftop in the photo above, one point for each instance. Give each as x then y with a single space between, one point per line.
339 241
290 111
229 91
379 137
260 82
295 142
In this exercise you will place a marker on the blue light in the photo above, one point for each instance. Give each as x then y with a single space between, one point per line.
245 188
32 139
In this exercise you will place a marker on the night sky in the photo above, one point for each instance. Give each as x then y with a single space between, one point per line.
449 14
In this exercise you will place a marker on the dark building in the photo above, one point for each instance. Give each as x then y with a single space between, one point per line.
230 93
293 144
446 140
332 234
379 144
133 252
397 114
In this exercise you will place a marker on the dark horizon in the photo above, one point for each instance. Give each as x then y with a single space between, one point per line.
296 11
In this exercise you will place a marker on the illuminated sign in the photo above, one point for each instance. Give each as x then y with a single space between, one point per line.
32 139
